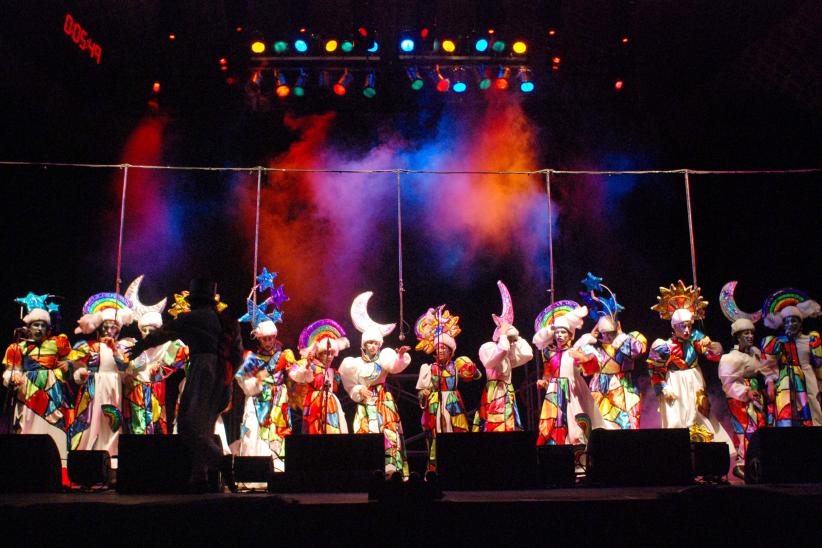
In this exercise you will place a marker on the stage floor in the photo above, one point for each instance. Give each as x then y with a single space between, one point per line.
638 516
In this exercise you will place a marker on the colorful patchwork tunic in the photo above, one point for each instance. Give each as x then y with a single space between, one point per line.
498 410
44 403
739 372
568 412
610 367
322 411
266 418
799 362
144 393
441 384
674 367
98 418
378 413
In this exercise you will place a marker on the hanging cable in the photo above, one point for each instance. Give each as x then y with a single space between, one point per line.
550 237
401 285
257 229
118 281
690 227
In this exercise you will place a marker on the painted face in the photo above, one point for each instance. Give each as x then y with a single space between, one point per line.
109 329
745 339
325 357
39 330
683 330
443 352
267 342
146 329
562 336
372 348
792 325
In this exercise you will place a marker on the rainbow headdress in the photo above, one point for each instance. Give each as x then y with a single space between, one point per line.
104 306
786 302
551 313
599 305
37 309
680 297
325 333
437 326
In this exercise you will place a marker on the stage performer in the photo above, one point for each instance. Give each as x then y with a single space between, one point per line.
674 367
498 411
568 410
319 344
37 369
796 355
101 362
153 360
215 348
442 407
364 381
610 355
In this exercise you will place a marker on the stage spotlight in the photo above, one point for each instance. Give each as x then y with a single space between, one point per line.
502 78
519 47
341 87
443 83
299 85
449 46
368 88
331 46
280 46
282 89
498 46
484 74
416 78
301 45
155 87
460 84
374 47
347 46
407 45
481 45
257 46
618 85
526 84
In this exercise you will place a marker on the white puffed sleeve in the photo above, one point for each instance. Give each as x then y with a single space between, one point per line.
424 380
392 362
349 371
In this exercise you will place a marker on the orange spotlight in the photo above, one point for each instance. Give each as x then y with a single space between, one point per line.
556 60
155 87
172 36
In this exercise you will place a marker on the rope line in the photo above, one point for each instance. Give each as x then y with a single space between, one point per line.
690 227
401 283
550 238
118 281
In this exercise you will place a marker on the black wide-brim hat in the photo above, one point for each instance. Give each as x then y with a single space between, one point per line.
201 290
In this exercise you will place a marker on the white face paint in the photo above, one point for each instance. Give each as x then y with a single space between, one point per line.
267 342
745 339
109 329
561 336
683 330
792 325
371 348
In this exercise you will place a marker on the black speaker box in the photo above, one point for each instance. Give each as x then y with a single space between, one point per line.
252 469
329 463
557 464
785 455
152 464
29 463
710 459
487 461
89 468
640 457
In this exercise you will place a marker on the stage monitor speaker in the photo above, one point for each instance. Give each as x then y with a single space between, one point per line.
487 461
152 464
252 469
329 463
710 459
557 464
785 455
29 463
88 468
640 457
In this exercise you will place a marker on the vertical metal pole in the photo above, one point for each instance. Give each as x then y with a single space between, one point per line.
690 227
118 281
401 282
550 236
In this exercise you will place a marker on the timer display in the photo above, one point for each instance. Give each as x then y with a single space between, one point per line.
80 36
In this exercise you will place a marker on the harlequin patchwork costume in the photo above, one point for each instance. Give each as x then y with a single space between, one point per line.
568 412
797 356
442 407
322 410
498 411
43 400
610 357
364 380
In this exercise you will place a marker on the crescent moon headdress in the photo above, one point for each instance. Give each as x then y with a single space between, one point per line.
146 315
507 314
436 326
371 330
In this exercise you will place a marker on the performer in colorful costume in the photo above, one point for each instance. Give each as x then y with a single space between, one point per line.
674 367
568 410
610 355
498 410
319 344
364 381
262 376
144 388
37 368
102 361
442 407
798 357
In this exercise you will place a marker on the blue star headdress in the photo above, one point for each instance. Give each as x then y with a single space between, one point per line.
599 305
270 309
32 301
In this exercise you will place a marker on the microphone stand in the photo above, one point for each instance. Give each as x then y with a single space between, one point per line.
10 402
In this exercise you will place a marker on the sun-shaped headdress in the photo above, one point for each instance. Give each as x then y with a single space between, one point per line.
437 325
680 297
